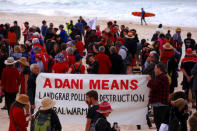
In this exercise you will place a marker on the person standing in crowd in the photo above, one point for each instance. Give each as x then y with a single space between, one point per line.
26 31
60 66
63 34
180 109
92 65
78 67
187 63
44 28
194 76
143 16
172 72
189 42
19 113
79 45
10 81
166 53
177 42
158 97
46 118
24 74
32 85
116 60
49 32
101 122
70 27
79 26
17 30
104 61
93 105
168 35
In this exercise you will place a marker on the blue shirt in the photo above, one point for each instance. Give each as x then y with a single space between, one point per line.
43 30
64 36
143 13
79 26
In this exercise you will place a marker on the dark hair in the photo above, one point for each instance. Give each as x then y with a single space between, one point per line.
63 46
161 36
44 22
161 67
109 23
189 34
177 95
160 26
26 23
92 94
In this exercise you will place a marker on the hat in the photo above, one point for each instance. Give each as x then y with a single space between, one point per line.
179 104
62 26
15 22
104 107
189 51
10 61
130 35
23 61
23 99
60 57
78 57
167 46
178 29
47 103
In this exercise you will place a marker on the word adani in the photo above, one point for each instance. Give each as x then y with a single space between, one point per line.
93 84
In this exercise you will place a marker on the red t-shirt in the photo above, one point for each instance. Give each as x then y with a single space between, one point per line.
12 38
166 55
70 59
60 67
80 47
20 119
82 68
10 79
104 63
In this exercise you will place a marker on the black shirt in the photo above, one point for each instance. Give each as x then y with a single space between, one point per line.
189 43
92 113
94 68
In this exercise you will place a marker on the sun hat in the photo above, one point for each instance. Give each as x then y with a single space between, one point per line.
167 46
178 29
60 57
47 103
130 35
104 107
189 51
23 99
23 61
179 104
10 61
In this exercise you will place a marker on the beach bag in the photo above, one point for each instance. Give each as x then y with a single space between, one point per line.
77 70
93 125
174 123
43 122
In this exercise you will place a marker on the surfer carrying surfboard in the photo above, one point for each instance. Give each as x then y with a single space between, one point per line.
143 17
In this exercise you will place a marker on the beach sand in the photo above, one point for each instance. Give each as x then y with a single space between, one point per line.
145 32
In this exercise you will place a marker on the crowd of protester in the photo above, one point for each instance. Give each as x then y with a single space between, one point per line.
77 49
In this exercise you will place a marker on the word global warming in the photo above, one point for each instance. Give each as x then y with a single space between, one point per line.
127 94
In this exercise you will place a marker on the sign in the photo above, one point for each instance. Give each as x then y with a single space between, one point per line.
127 94
92 23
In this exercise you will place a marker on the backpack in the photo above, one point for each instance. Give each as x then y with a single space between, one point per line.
43 122
128 58
174 123
77 70
93 125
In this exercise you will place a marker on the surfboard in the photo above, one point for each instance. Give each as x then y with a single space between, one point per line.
139 14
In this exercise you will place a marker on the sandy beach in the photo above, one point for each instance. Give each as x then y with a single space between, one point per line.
145 32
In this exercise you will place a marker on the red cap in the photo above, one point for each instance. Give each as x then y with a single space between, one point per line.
189 51
104 107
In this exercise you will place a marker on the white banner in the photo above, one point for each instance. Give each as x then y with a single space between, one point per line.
127 94
92 23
